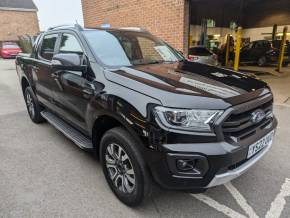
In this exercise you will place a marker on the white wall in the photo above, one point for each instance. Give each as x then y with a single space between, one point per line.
261 33
252 33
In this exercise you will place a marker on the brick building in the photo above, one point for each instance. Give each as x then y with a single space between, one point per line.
178 22
17 17
167 19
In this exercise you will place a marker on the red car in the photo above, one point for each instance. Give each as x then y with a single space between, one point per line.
9 50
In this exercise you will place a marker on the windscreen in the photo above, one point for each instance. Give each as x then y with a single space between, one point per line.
126 48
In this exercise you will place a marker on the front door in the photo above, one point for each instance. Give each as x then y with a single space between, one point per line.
73 88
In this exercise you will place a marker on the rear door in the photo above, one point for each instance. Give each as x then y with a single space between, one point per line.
73 89
42 70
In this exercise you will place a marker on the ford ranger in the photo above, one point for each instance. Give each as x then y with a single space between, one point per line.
151 116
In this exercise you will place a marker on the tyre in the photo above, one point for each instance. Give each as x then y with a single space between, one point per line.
33 106
124 167
262 61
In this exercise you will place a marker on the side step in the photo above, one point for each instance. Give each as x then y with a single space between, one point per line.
78 138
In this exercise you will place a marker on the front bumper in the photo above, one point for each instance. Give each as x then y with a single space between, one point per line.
225 162
223 178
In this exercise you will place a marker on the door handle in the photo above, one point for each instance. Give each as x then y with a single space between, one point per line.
54 75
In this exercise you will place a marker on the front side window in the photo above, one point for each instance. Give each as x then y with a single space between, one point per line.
69 44
126 48
48 46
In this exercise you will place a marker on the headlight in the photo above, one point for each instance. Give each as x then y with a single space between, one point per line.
189 120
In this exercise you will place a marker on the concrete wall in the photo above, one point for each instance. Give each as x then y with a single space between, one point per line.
167 19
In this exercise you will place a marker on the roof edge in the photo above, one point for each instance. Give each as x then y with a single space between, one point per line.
18 9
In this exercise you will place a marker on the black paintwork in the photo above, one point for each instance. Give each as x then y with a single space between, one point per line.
127 95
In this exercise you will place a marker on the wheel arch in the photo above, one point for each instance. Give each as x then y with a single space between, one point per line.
106 122
24 84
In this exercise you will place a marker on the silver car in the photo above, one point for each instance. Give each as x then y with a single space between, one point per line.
202 55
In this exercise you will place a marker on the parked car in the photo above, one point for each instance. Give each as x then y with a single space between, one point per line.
261 52
150 115
9 49
202 55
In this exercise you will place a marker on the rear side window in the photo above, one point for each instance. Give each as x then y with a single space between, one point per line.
70 44
199 51
48 46
259 44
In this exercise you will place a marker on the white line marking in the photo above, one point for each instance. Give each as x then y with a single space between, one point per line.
283 105
241 200
278 204
219 207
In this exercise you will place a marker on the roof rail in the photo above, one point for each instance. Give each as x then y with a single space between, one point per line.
58 26
77 26
134 29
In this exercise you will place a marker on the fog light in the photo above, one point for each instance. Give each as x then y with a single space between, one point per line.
185 165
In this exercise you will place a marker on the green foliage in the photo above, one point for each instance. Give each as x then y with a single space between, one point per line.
25 43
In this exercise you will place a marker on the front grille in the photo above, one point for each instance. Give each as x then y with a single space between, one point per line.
238 126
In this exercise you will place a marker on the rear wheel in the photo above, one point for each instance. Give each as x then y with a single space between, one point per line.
33 106
262 61
124 167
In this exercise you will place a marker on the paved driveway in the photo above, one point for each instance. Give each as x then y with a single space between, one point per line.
43 174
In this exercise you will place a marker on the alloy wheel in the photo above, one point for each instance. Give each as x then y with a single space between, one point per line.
30 105
120 168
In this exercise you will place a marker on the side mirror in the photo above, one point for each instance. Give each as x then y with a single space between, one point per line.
68 61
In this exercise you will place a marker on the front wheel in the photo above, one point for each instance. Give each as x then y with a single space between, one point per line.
33 106
123 167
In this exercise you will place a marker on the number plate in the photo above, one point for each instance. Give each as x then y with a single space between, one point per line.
259 145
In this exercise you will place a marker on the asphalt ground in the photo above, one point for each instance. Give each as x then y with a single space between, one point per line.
43 174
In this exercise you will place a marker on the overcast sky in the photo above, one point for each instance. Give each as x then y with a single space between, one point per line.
57 12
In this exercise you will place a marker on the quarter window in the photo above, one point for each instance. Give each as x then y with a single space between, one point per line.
69 44
48 45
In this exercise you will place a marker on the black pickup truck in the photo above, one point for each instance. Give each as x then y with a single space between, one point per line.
151 116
